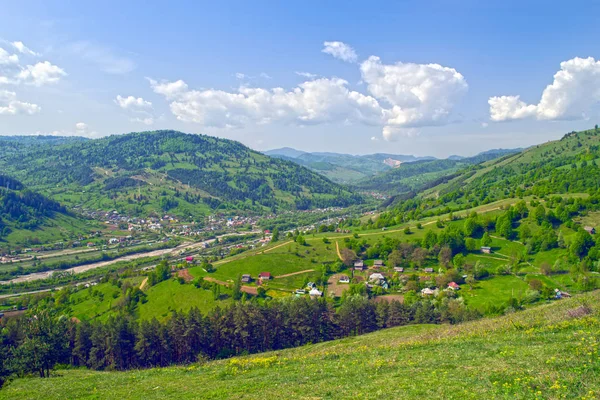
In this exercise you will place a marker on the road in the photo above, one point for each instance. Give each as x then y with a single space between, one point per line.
83 268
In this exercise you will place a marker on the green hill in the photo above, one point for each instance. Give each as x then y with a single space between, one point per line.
547 352
167 171
27 217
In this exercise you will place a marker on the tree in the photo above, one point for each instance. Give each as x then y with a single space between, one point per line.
581 244
486 240
470 244
419 256
348 256
430 239
300 240
407 230
237 288
395 259
275 235
545 268
445 256
539 214
470 281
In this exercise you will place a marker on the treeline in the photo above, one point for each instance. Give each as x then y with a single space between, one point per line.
43 338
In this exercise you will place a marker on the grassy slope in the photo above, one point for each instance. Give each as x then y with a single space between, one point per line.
540 353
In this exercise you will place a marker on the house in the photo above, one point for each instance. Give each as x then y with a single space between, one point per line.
314 292
398 269
113 241
590 230
189 259
377 264
376 277
264 275
344 279
90 244
428 270
486 249
300 291
453 286
427 292
359 265
311 285
246 278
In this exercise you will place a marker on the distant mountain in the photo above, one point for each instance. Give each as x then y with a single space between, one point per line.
285 151
168 171
344 168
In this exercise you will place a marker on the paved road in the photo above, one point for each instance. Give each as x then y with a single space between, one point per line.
83 268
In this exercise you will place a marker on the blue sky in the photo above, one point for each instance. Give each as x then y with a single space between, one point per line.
208 67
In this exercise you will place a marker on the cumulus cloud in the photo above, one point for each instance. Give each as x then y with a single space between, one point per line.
318 101
138 109
168 89
504 108
6 58
340 51
9 105
418 94
132 103
41 73
21 48
400 97
575 89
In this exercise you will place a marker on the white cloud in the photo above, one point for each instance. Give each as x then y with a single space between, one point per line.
9 105
104 57
391 133
419 94
504 108
575 89
24 49
374 138
239 75
340 51
83 129
168 89
400 97
264 75
41 73
484 124
132 103
6 58
318 101
306 75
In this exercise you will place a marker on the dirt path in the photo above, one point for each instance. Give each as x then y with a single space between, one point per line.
275 247
143 284
337 249
294 273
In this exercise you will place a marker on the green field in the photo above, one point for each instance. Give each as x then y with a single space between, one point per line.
171 296
548 352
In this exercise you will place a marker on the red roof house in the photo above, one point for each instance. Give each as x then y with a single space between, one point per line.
453 286
264 275
189 259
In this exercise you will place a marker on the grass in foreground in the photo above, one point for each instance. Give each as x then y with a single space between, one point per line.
549 352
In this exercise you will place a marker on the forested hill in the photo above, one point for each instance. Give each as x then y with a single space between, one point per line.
23 209
169 171
568 165
419 175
